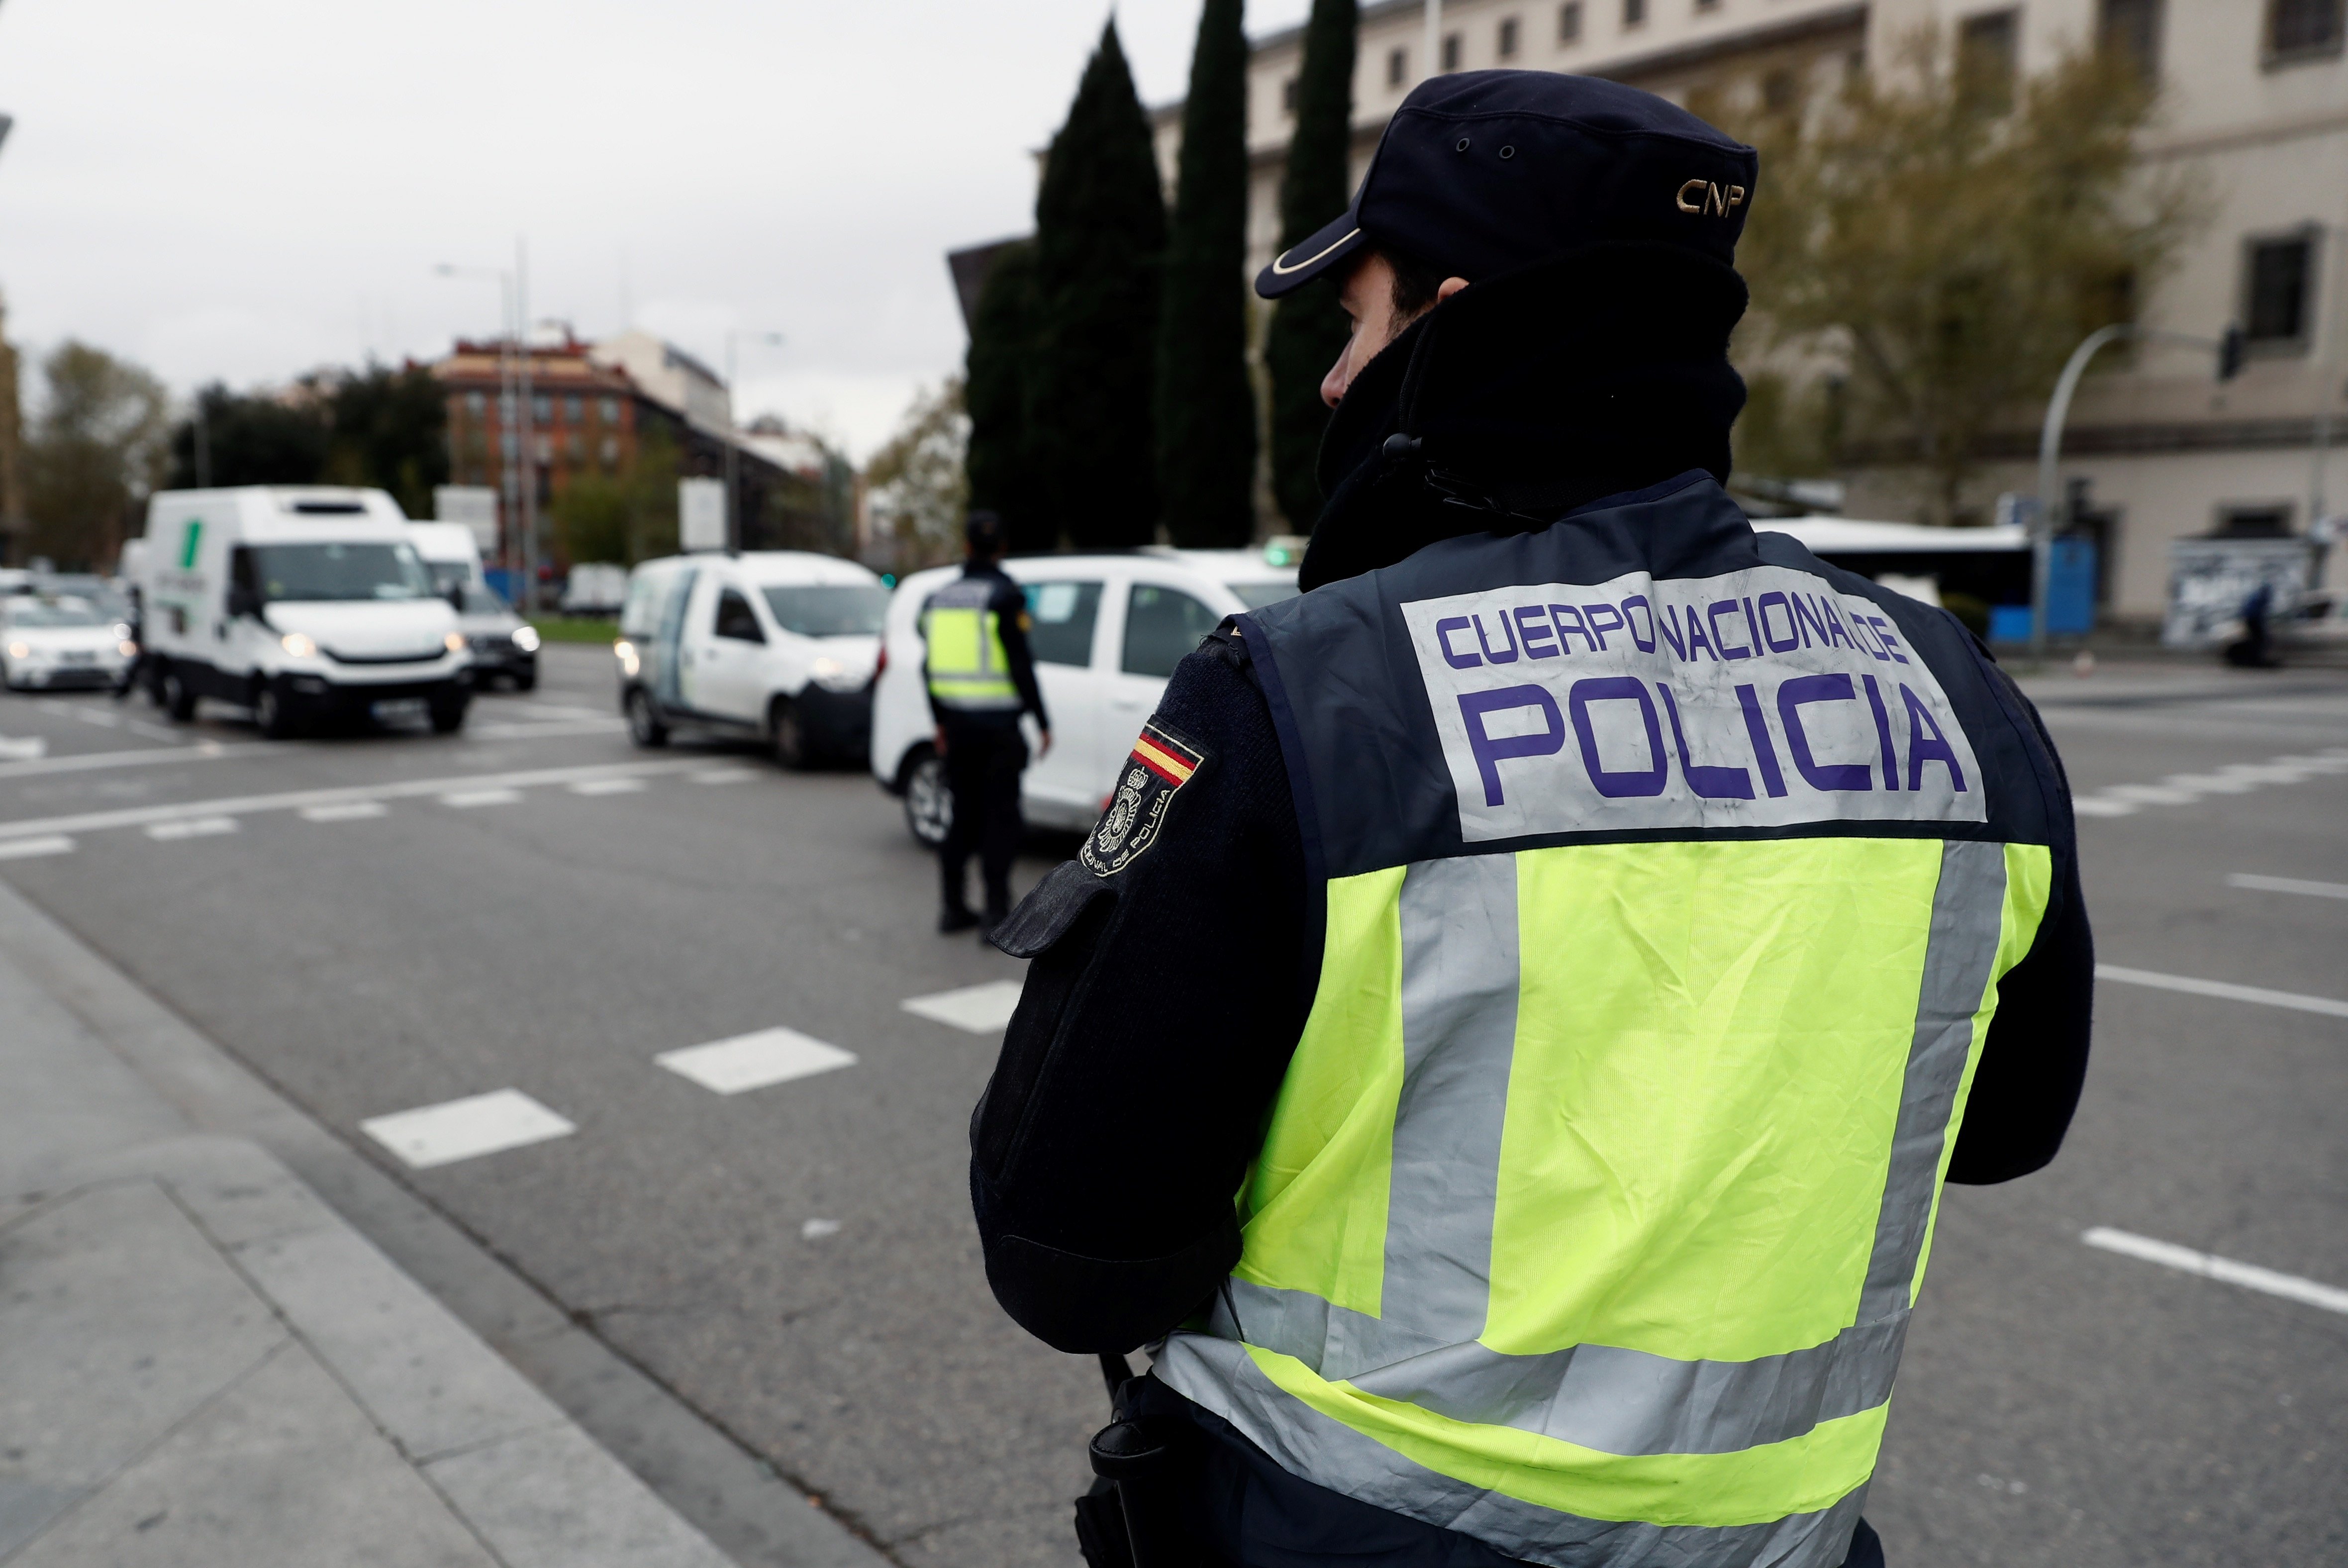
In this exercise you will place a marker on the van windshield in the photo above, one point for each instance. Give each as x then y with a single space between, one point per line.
307 573
829 609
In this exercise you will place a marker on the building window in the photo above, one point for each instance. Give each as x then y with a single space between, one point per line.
1397 66
1708 5
1634 13
2277 275
1450 51
2130 30
1288 95
477 404
2302 30
1509 39
1569 22
611 410
510 444
574 409
2259 521
610 451
1985 61
543 411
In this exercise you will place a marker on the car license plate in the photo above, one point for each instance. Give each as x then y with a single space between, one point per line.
75 658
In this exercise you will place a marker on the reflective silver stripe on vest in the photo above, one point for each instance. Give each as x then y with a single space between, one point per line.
1603 1398
1305 1442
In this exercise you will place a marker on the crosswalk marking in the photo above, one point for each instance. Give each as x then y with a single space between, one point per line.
607 787
349 811
981 1009
2288 884
25 748
2208 1265
754 1061
2224 989
2234 779
466 799
27 849
192 828
465 1128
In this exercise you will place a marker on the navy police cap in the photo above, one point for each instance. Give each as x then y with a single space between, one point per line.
1480 172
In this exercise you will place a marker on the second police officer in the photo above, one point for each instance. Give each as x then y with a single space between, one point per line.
1510 1048
981 679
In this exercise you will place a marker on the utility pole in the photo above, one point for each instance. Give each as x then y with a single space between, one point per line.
524 415
2329 328
203 444
733 438
510 452
1432 43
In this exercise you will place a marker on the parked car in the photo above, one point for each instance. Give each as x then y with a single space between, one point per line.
780 644
1107 632
59 642
595 588
500 645
298 603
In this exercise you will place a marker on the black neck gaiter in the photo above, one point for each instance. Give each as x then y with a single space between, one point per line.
1518 399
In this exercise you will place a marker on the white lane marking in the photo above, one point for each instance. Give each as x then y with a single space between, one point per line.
25 849
2288 884
500 730
722 776
2234 779
24 749
607 787
192 828
466 799
981 1009
815 1230
754 1061
353 811
2208 1265
83 762
2225 989
153 731
465 1128
405 789
103 717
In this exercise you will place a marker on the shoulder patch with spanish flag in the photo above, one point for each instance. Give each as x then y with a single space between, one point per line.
1160 763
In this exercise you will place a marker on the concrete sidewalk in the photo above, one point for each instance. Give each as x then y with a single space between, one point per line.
201 1362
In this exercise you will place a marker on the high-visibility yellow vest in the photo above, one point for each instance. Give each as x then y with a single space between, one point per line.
965 660
1591 1212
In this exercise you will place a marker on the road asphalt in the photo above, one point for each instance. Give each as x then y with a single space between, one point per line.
786 1276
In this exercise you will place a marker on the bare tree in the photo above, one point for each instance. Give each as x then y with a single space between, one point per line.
98 447
915 486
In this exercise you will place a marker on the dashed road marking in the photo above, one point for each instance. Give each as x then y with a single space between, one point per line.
2234 779
406 789
2225 990
721 776
192 828
607 787
349 811
2288 884
754 1061
24 748
981 1009
466 799
2208 1265
27 849
33 762
465 1128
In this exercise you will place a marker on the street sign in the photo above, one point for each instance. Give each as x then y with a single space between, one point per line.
701 514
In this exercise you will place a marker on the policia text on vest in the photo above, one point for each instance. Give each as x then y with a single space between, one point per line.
1663 882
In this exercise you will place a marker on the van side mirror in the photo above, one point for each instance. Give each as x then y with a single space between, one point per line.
242 601
455 596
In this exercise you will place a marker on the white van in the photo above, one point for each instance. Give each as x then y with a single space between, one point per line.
1107 631
776 644
298 602
498 643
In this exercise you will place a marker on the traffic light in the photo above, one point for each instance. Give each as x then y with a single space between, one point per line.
2230 354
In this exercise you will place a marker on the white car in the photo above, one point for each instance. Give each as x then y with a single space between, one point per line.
1107 631
775 643
60 643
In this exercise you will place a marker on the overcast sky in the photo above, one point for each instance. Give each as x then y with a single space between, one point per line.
242 189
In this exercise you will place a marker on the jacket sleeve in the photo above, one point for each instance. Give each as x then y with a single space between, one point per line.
1157 1022
1011 621
2034 1062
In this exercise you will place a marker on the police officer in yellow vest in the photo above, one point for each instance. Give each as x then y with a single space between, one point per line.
981 679
1509 1049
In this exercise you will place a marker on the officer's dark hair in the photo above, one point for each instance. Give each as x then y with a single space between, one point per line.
983 533
1417 282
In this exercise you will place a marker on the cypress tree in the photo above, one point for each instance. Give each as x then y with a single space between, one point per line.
1005 475
1101 239
1308 329
1206 406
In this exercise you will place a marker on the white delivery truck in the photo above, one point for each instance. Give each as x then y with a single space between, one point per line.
775 643
298 602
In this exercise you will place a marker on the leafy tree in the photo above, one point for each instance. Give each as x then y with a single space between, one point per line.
916 487
1946 254
390 431
1308 329
1100 237
95 452
1206 403
252 438
1005 471
623 518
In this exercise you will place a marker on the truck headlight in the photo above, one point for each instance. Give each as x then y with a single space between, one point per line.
454 641
526 639
127 649
20 649
833 675
625 651
300 647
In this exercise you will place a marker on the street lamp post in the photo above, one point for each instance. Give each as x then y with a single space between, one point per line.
510 468
735 336
2050 451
